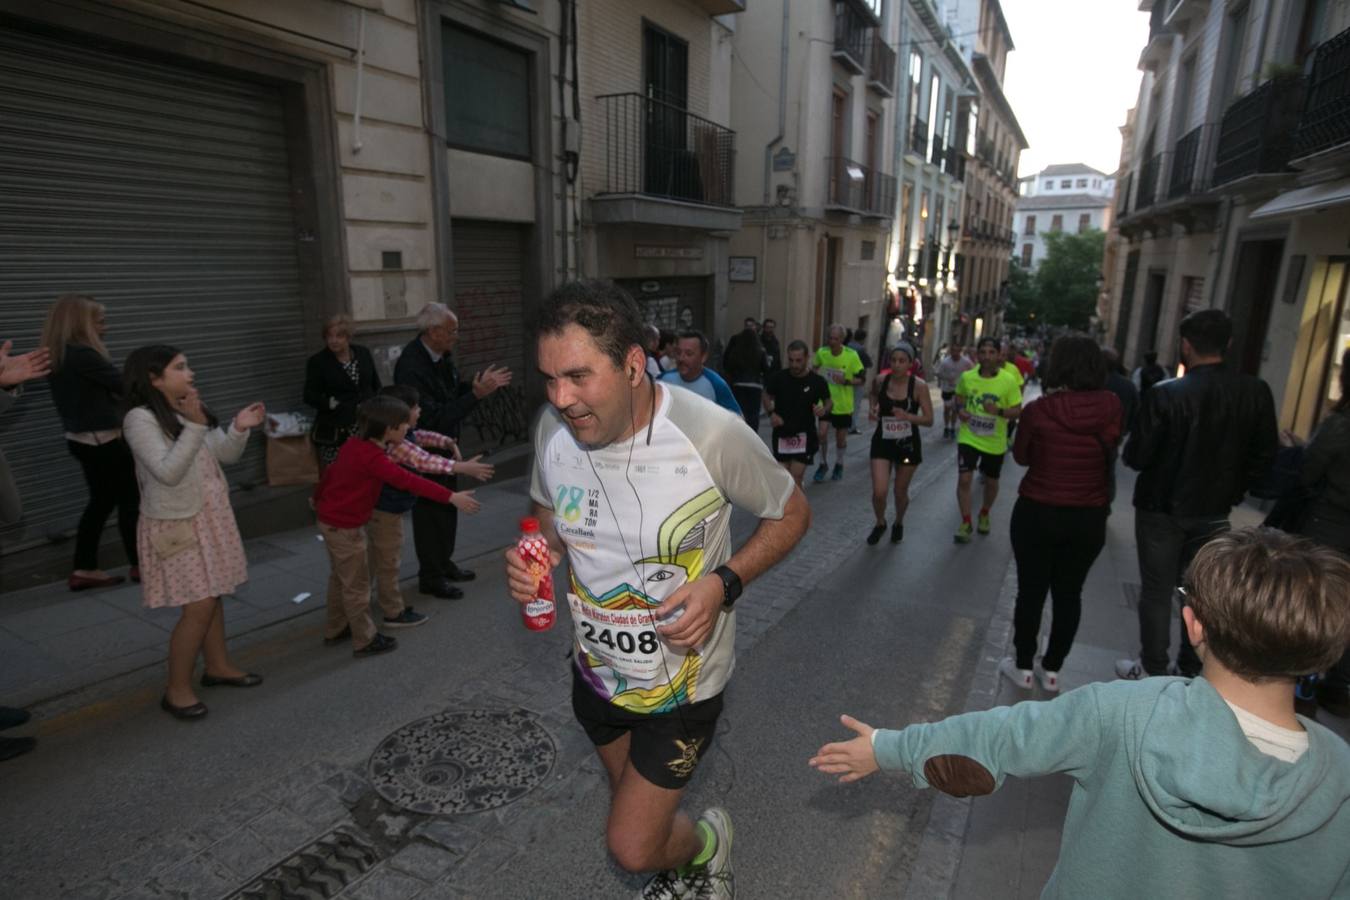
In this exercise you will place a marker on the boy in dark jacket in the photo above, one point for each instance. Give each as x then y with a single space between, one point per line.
344 499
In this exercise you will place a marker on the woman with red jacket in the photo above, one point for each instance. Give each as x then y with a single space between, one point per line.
1067 440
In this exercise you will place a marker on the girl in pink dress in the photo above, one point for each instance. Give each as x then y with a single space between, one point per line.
189 545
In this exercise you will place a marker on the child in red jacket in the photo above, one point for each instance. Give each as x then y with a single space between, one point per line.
344 500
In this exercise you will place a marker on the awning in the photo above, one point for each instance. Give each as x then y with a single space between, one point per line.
1307 199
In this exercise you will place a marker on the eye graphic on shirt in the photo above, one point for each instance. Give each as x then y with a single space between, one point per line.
663 575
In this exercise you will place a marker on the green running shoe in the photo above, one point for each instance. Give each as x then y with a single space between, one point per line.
963 533
983 526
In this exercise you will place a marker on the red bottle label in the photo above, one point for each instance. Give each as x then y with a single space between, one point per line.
540 613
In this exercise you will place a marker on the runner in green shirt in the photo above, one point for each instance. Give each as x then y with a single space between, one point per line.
842 369
986 399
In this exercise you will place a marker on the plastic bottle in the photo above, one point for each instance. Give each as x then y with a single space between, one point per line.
540 613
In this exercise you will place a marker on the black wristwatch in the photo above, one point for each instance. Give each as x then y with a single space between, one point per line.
731 586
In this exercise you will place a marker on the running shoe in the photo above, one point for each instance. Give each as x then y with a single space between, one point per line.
874 536
1019 677
838 472
1130 670
897 533
963 533
1049 680
821 471
406 619
711 881
982 526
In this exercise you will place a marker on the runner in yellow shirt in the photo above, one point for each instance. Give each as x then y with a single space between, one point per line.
987 398
842 369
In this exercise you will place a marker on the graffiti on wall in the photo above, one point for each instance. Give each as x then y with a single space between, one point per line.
500 418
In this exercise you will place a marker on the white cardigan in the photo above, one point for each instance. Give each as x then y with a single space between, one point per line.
169 471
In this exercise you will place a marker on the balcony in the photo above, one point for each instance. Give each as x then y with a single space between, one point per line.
1191 163
1181 12
1256 134
880 66
664 166
852 34
1150 177
854 188
1159 45
1123 205
937 153
721 7
1326 114
918 138
956 163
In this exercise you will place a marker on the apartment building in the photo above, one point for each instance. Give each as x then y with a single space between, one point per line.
1238 199
1064 197
994 142
813 103
931 149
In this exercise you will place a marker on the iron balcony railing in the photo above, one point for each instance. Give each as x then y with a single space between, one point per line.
1326 113
1191 163
1150 177
1123 206
661 150
853 186
880 65
1256 134
956 163
937 153
918 138
852 33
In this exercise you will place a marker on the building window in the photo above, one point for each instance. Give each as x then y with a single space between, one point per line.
1066 184
487 94
1026 256
1057 223
1084 222
869 250
1049 184
1082 182
1030 228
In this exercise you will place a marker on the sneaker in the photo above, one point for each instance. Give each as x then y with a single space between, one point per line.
838 474
1130 670
963 533
1019 677
667 885
982 524
406 619
874 536
821 471
381 643
897 533
1049 680
711 881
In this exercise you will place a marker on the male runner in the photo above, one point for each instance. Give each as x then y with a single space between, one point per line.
842 368
795 398
634 481
986 399
950 368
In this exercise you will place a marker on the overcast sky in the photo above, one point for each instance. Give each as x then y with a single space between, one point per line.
1072 77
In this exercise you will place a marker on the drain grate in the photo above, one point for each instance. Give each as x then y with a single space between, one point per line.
316 872
463 762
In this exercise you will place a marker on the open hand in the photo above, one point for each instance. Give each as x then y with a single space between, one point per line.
464 502
24 367
702 603
475 469
250 416
521 580
489 380
851 760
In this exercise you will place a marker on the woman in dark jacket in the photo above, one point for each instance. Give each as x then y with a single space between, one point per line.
1326 473
1067 440
87 390
337 378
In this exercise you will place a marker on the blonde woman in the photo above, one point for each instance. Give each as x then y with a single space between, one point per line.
337 379
87 390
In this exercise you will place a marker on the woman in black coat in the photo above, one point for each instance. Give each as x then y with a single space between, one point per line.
337 378
87 391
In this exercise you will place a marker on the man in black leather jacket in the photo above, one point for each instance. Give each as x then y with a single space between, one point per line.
1199 442
446 401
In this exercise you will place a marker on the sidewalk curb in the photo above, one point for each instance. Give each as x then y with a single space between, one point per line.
939 858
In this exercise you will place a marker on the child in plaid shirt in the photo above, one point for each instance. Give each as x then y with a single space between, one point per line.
386 522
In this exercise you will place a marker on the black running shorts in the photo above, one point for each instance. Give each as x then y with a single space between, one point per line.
665 748
968 459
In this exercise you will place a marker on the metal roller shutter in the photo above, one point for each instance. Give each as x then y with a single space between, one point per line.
489 267
163 191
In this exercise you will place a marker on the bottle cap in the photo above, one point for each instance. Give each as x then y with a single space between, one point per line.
529 525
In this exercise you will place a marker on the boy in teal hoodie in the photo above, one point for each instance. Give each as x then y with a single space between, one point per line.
1205 787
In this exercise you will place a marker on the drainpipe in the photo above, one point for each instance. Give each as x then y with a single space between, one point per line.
360 78
768 150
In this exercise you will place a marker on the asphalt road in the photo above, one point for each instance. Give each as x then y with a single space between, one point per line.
120 800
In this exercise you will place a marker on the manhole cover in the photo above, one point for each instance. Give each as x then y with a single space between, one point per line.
462 762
